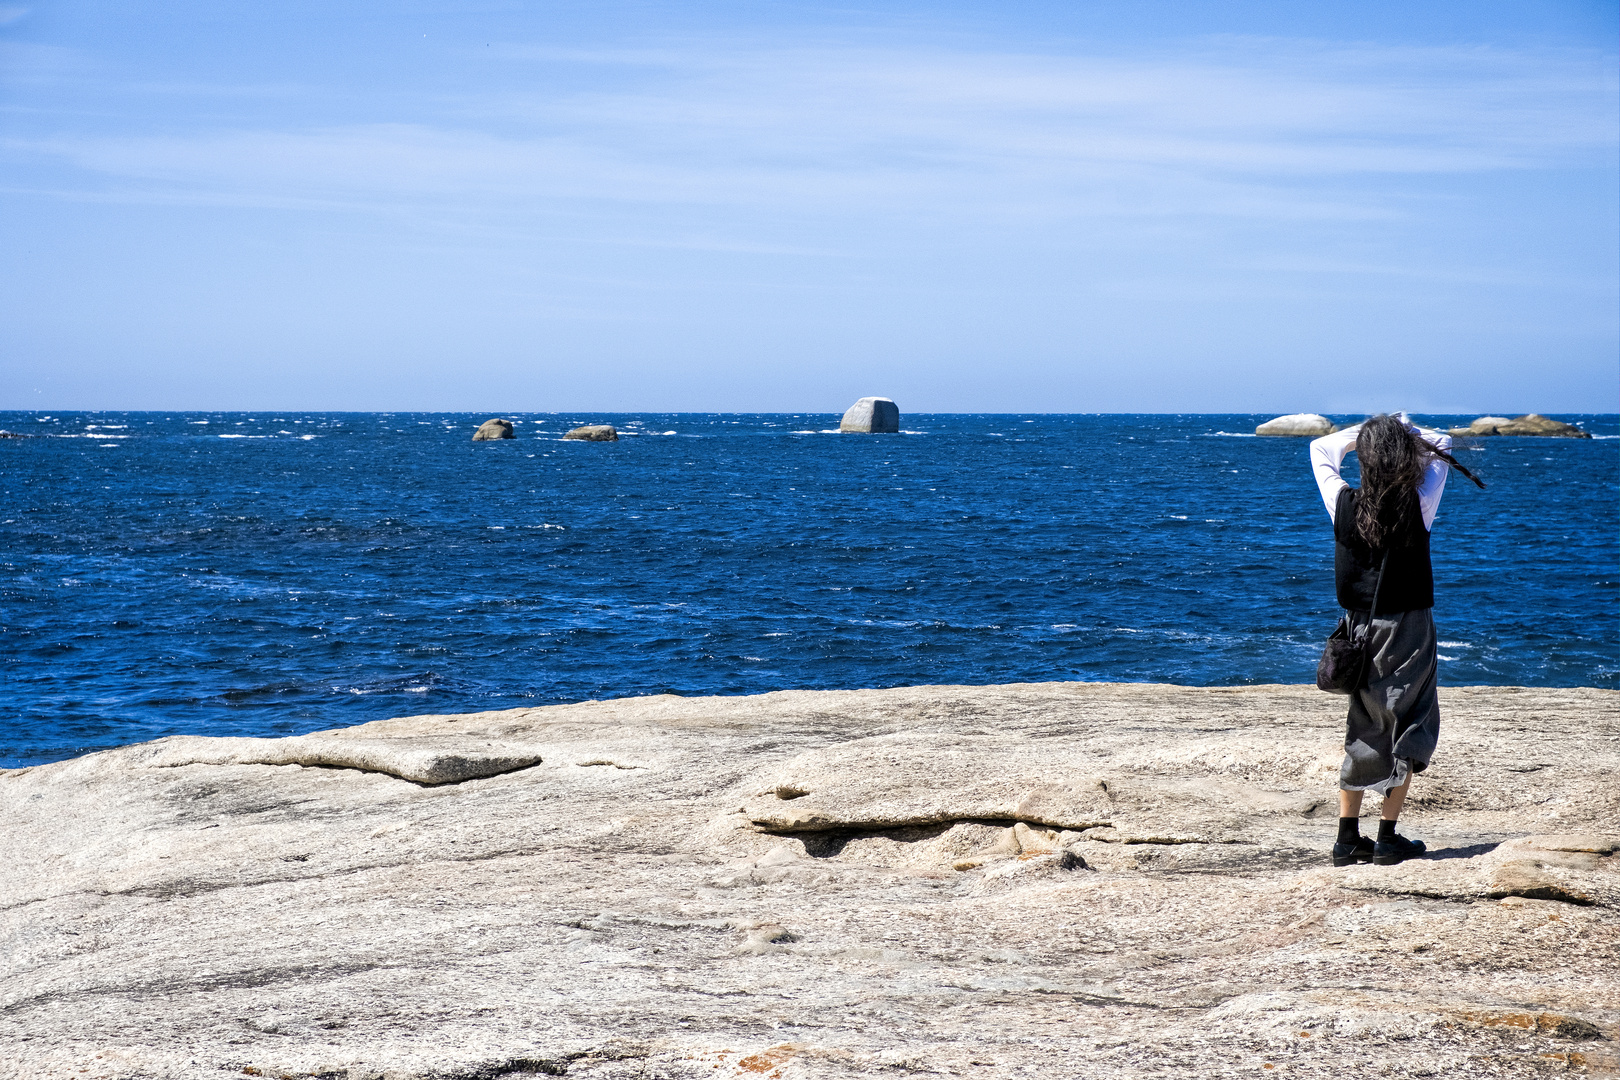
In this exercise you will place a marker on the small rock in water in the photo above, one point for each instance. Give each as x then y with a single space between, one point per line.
1303 423
594 433
1528 424
872 414
493 429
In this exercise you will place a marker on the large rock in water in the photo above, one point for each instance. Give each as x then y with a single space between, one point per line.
490 430
1528 424
1312 424
1054 880
594 433
874 414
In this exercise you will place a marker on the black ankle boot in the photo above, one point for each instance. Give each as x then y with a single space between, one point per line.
1351 846
1392 848
1346 852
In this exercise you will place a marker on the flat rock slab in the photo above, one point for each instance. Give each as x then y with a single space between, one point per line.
1007 881
421 759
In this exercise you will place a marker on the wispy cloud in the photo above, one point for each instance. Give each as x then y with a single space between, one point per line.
1265 129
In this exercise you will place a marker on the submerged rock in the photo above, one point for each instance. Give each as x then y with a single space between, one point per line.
594 433
1528 424
1057 879
1311 424
491 430
872 414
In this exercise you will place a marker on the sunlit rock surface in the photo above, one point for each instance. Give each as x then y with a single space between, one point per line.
871 414
1310 424
1005 881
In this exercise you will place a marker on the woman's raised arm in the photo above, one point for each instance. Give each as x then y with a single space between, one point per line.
1433 484
1327 455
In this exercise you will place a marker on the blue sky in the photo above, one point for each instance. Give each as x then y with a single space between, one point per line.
1036 207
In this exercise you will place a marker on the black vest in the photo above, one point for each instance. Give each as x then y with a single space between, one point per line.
1409 580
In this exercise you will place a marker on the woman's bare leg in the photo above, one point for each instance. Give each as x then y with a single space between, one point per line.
1394 799
1350 803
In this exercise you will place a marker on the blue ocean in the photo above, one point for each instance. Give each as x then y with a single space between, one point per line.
273 573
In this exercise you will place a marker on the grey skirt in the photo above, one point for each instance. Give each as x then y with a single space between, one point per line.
1394 721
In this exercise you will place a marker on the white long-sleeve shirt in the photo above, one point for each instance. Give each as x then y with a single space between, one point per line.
1327 456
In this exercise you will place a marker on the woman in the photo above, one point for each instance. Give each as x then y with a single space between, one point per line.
1381 545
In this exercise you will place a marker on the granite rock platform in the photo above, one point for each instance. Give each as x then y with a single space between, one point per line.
1040 880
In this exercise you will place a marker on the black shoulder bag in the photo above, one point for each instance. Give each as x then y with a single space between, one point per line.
1345 659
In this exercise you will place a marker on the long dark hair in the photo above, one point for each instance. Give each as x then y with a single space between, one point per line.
1393 459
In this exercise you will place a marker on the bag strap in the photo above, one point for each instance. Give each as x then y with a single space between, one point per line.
1373 614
